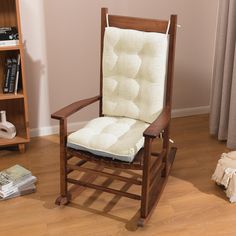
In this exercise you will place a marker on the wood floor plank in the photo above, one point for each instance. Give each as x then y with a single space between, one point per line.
191 203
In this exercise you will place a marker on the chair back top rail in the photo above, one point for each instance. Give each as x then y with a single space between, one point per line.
147 25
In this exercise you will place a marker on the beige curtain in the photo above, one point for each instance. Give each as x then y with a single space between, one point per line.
223 101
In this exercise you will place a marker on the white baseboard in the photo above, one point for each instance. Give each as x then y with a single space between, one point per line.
191 111
43 131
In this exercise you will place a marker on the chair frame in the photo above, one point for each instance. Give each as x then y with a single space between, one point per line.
155 166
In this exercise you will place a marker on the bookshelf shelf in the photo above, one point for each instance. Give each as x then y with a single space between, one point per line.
14 141
11 96
10 48
15 105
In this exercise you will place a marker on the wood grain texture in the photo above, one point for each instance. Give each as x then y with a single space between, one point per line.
149 196
11 48
105 174
8 15
10 96
135 165
105 189
191 203
146 177
157 126
15 114
148 25
74 107
104 12
16 106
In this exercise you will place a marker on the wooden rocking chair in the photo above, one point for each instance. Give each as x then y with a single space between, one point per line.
155 166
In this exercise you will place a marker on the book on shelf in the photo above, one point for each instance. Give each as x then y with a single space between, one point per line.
7 75
20 182
12 75
9 36
17 74
8 43
8 33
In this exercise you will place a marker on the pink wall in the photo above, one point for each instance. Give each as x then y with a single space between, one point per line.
62 40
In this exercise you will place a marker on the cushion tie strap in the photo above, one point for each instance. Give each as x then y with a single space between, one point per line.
107 20
168 27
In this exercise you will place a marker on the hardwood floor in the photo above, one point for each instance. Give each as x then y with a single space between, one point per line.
190 205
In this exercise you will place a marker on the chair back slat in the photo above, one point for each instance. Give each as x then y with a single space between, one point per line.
141 24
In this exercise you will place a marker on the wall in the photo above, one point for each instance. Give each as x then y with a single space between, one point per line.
62 41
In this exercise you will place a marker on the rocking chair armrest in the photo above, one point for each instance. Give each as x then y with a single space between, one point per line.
74 107
162 121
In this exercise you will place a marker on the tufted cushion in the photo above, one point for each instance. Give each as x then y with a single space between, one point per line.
134 70
115 137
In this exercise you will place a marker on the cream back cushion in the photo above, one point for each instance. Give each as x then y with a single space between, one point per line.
134 71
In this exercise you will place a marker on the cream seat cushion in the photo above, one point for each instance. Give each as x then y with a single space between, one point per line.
134 71
114 137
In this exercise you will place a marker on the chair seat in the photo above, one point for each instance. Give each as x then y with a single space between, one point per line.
114 137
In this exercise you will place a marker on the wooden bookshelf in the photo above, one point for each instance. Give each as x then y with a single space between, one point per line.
16 106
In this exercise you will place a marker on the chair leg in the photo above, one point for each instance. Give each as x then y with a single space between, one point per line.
166 137
145 183
170 160
64 197
170 153
152 194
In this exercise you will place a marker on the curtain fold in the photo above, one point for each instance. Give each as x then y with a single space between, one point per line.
223 100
